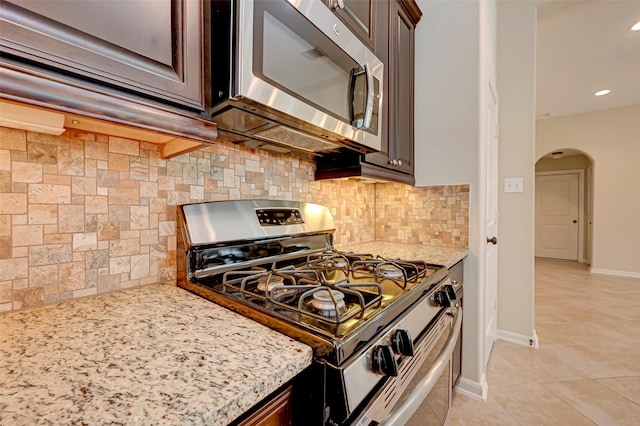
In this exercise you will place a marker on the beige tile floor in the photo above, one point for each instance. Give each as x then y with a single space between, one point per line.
587 369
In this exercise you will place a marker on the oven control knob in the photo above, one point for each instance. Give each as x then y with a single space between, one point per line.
451 292
402 343
383 361
442 299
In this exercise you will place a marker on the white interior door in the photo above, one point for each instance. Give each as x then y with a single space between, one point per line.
491 225
557 215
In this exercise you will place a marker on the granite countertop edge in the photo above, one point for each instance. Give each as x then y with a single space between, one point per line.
155 354
446 256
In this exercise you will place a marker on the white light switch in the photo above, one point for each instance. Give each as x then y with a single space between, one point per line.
513 184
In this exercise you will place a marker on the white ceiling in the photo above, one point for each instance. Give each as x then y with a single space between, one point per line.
583 47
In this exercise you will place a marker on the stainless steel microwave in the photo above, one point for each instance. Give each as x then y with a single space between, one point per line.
289 75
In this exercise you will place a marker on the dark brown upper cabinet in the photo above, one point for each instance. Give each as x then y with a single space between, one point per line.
359 16
395 42
134 62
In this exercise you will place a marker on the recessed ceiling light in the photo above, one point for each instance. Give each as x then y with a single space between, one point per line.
556 155
636 27
602 92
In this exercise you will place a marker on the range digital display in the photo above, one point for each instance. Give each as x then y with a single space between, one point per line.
271 217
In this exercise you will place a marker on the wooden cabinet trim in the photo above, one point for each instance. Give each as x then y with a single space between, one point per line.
276 411
33 87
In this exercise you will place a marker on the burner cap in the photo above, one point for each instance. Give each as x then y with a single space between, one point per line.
340 264
268 282
392 274
322 301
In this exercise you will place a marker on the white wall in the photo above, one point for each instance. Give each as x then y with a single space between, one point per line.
455 51
516 89
612 139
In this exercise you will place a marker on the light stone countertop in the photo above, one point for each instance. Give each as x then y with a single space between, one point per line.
438 255
155 355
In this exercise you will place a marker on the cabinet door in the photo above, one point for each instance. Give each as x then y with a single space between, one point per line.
383 19
398 140
150 48
359 15
276 412
401 50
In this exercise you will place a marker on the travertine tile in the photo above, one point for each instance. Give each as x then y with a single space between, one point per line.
83 185
13 139
12 269
597 402
5 225
127 194
128 247
628 387
118 162
72 276
13 203
468 412
532 404
50 254
119 265
6 292
49 194
85 241
139 266
98 197
27 298
26 172
96 150
41 214
43 275
5 160
128 147
97 259
27 235
139 217
577 337
70 218
70 161
96 204
6 248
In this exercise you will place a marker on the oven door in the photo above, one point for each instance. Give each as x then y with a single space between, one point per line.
421 394
299 59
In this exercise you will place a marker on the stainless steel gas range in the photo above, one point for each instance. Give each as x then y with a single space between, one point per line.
382 330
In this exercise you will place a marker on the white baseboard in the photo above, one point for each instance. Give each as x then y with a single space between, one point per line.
473 389
519 339
614 272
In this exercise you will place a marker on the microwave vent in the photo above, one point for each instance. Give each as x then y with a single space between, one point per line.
287 136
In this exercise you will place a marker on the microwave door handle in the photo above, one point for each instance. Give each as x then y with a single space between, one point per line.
365 121
371 96
355 72
402 412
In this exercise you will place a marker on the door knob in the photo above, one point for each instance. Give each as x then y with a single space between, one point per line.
493 240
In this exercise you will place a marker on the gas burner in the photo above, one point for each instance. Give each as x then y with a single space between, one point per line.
330 261
326 305
340 264
268 282
390 272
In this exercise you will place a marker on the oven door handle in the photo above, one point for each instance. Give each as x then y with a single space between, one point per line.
402 412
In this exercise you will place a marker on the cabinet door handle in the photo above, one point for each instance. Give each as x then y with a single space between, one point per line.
493 240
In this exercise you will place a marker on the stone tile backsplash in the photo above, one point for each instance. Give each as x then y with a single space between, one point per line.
86 213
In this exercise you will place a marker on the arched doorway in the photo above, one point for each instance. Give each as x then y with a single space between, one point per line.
564 205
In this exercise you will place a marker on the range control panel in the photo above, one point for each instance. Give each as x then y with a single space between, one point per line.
270 217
